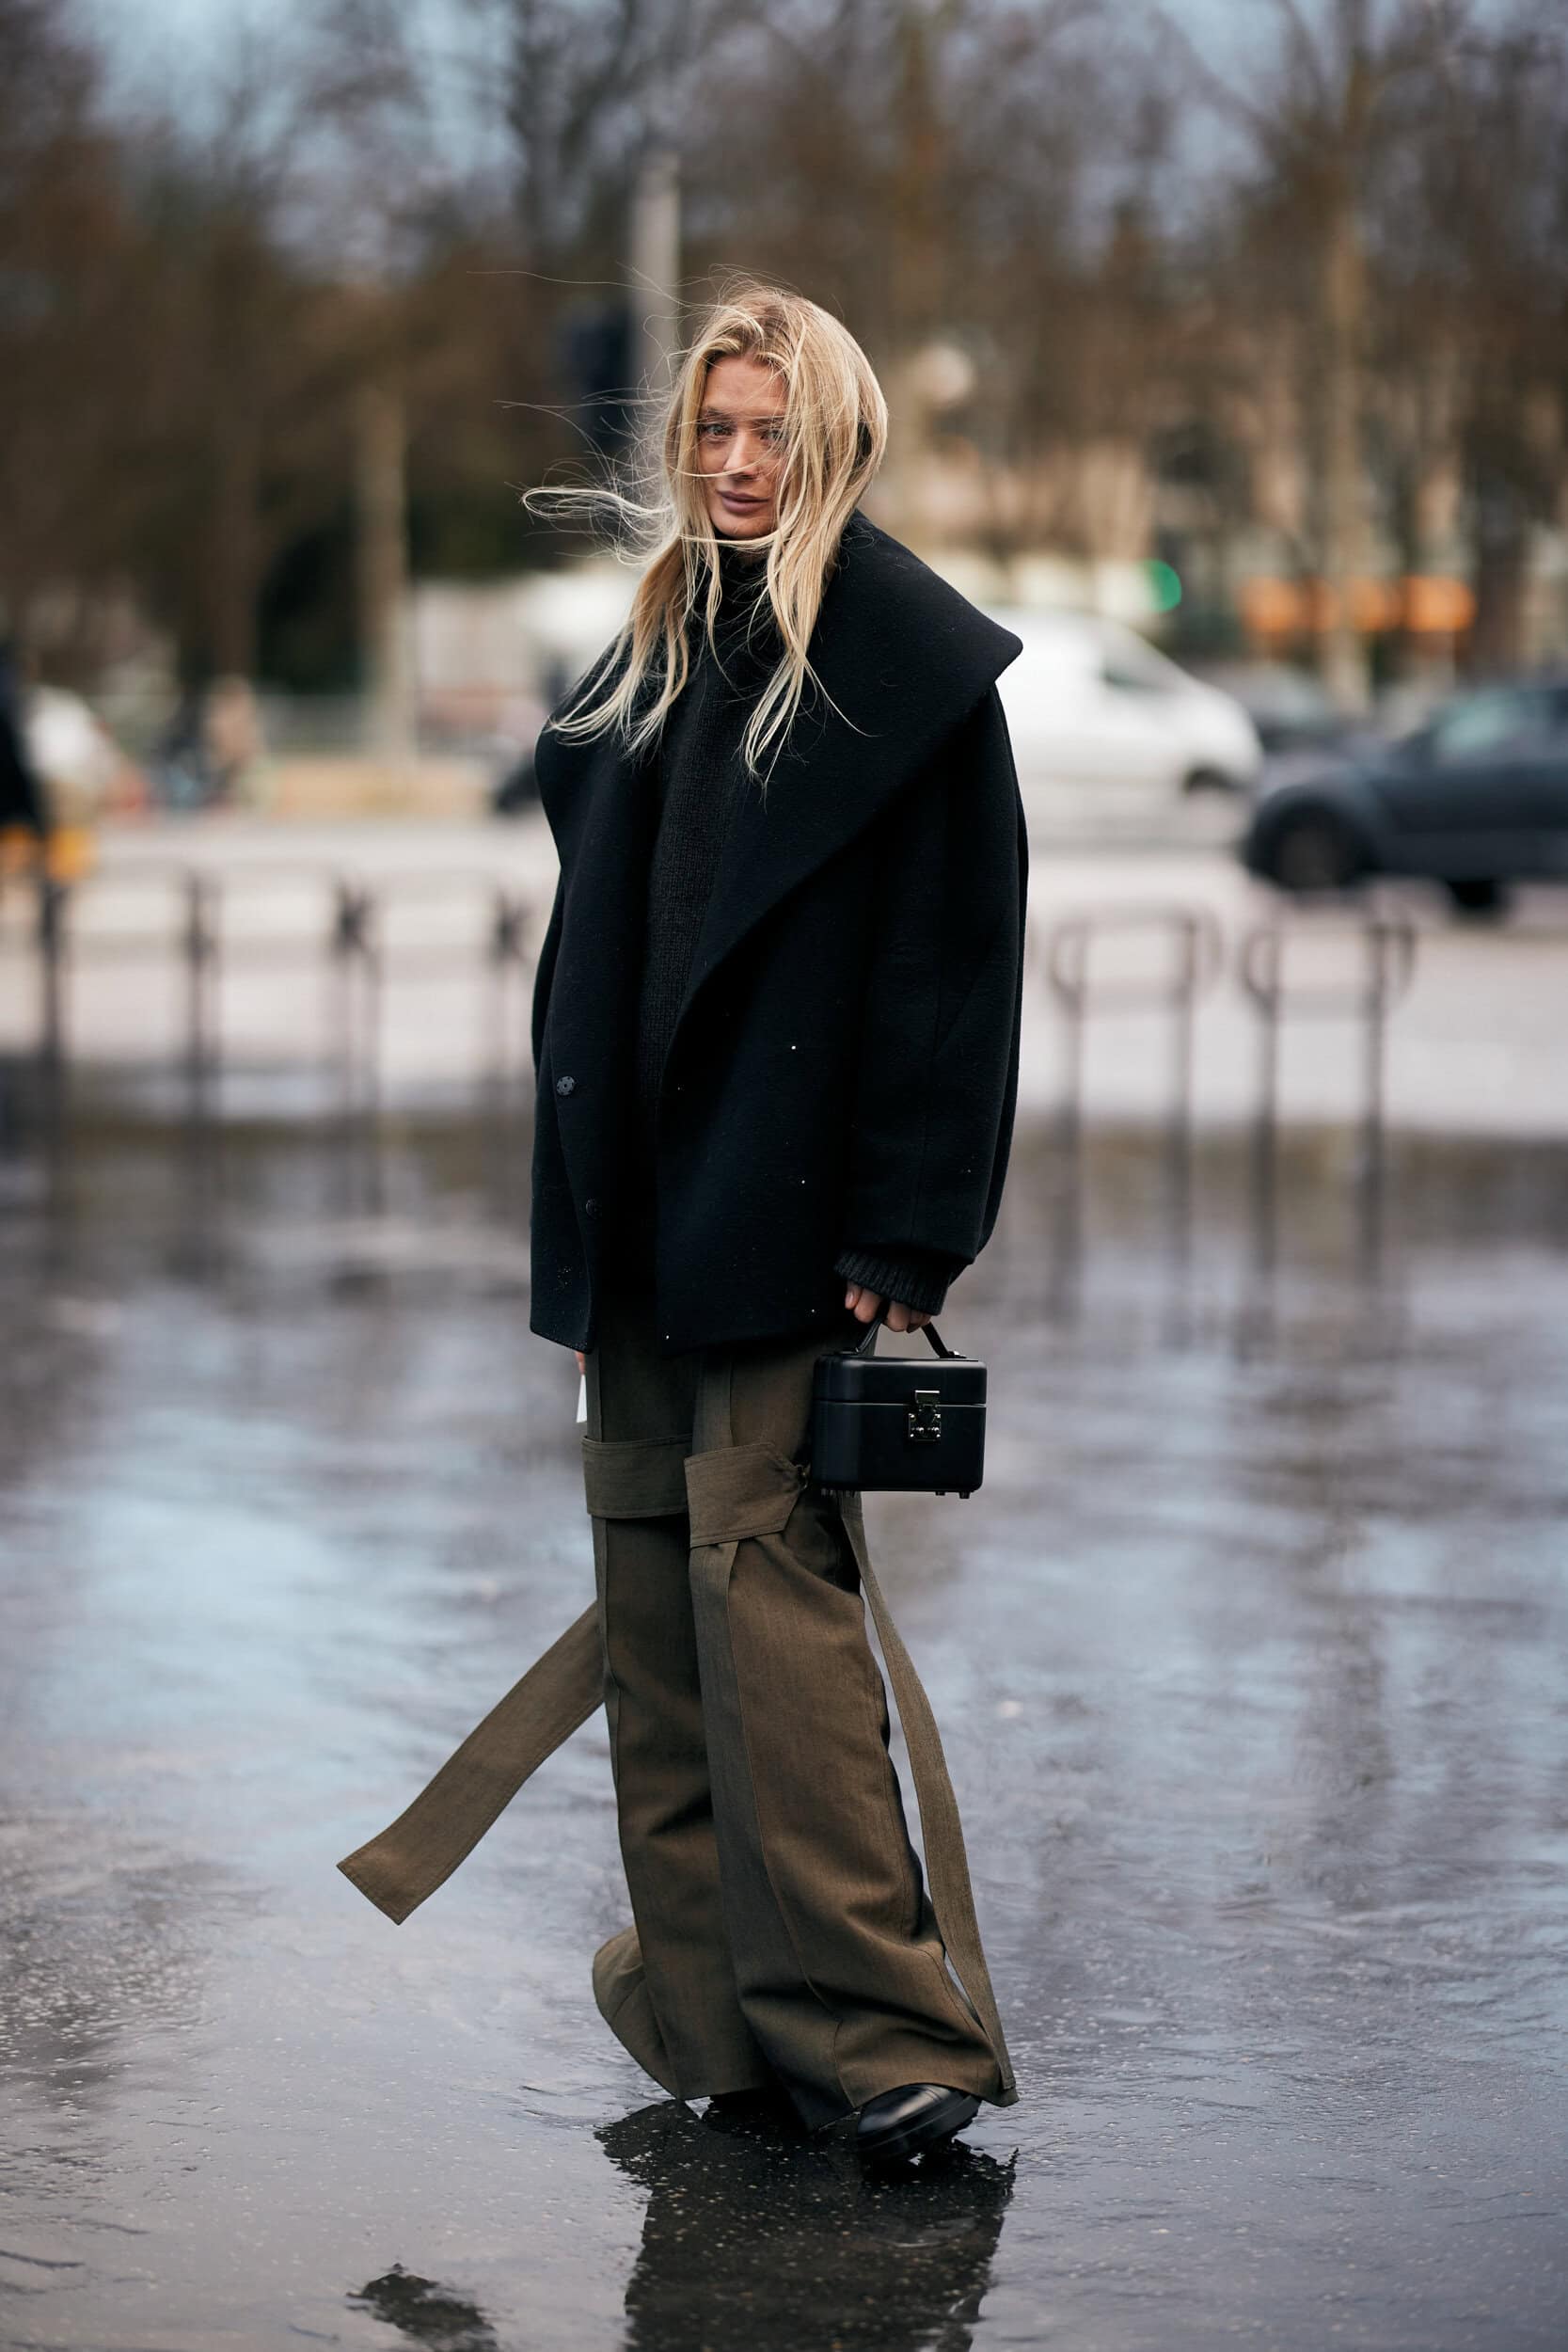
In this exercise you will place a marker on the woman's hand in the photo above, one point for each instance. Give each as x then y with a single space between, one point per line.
582 1360
899 1317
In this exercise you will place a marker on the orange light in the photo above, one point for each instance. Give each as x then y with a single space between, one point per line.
1271 608
1434 606
1426 604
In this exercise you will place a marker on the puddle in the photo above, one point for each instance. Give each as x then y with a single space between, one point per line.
1248 1661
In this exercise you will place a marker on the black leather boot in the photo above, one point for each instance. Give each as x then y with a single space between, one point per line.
911 2121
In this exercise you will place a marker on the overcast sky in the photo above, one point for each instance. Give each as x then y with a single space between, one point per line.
169 50
132 24
150 40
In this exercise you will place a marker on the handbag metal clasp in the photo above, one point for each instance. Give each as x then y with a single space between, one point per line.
924 1423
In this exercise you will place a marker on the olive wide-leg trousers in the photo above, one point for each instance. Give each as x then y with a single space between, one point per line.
781 1923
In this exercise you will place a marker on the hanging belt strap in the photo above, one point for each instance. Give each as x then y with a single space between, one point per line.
632 1478
422 1849
946 1862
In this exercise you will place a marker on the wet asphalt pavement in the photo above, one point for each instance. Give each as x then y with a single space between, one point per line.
1250 1660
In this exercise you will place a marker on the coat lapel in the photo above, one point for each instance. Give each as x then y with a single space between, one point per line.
900 659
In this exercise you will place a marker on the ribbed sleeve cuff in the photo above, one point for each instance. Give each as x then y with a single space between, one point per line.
918 1278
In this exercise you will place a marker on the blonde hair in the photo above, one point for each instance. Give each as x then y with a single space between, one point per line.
833 435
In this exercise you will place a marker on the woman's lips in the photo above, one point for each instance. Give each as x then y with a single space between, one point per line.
741 498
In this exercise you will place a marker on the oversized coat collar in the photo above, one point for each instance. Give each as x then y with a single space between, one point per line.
901 658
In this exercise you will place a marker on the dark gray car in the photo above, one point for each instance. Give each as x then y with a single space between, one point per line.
1476 800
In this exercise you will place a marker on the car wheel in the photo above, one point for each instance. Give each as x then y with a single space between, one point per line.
1480 900
1314 851
1207 780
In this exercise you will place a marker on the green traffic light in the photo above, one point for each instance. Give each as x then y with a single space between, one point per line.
1165 585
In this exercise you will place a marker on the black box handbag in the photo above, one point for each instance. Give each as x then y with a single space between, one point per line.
895 1424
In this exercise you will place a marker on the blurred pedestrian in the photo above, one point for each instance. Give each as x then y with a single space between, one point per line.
231 740
23 817
776 1029
180 756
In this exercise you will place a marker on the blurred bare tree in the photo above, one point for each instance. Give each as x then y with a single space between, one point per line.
1319 121
70 257
970 176
1476 302
1312 298
1390 270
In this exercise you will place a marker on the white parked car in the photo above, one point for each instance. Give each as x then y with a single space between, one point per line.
1108 732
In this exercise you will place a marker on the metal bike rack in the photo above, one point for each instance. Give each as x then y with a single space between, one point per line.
1196 955
1386 945
200 939
62 952
1384 942
509 918
1192 948
198 929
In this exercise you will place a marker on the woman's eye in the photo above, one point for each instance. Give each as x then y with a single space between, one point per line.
712 432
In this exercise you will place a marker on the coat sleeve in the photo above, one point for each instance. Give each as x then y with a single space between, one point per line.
920 1280
937 1071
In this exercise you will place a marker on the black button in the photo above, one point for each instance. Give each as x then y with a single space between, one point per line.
564 1086
591 1207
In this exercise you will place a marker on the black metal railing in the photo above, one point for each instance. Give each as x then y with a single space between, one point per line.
353 934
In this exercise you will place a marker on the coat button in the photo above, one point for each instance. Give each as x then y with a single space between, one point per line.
591 1207
564 1086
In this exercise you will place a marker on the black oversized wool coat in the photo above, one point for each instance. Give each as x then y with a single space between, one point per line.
844 1068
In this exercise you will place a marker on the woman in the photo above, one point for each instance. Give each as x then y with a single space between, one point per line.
775 1026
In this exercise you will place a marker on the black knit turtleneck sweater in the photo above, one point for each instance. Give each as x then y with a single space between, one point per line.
699 778
696 783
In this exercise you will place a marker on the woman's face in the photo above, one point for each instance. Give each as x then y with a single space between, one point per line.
740 446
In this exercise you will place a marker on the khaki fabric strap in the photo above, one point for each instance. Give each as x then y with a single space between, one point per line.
740 1490
413 1856
634 1478
946 1861
627 1479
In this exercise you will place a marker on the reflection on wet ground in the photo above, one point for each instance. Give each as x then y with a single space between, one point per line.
754 2236
1248 1657
425 2313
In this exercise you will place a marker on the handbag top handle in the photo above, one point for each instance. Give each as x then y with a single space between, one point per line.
868 1345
